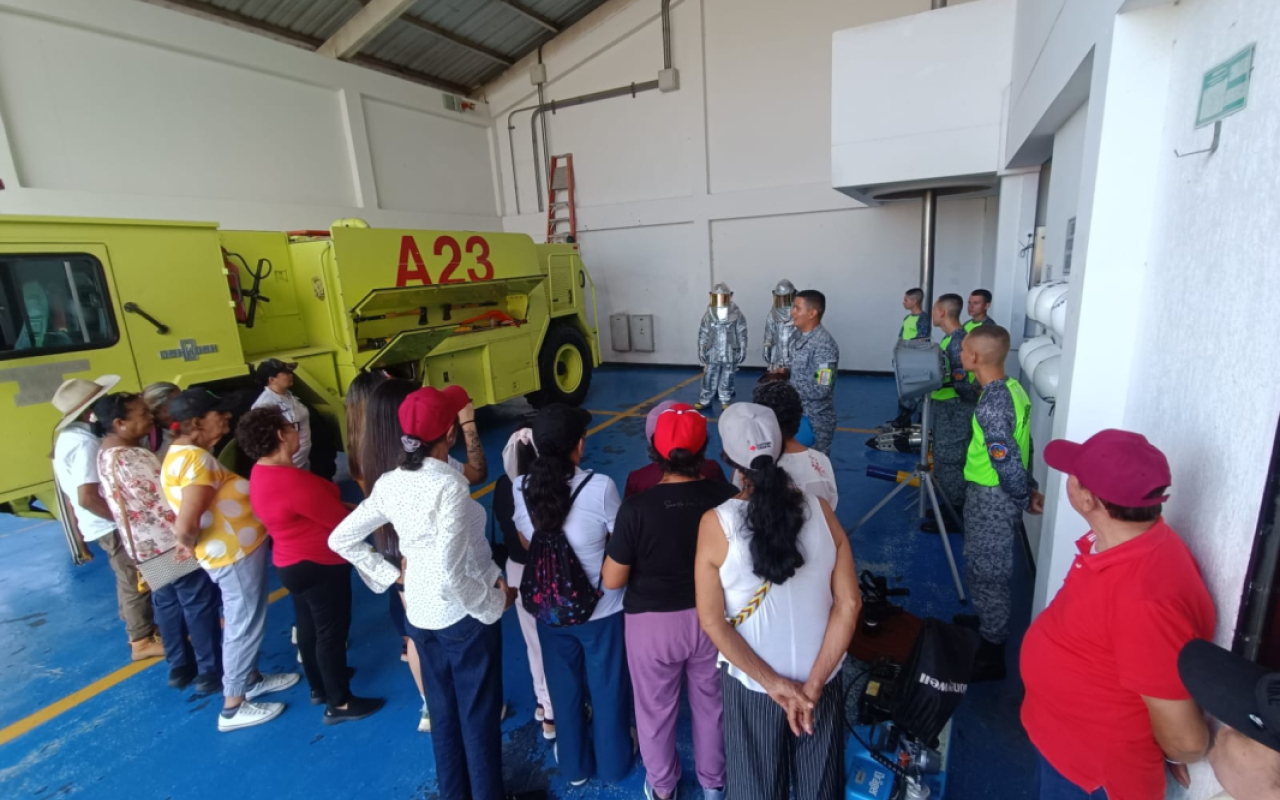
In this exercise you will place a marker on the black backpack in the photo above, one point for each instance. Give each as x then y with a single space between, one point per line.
555 588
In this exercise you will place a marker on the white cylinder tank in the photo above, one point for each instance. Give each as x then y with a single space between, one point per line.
1032 295
1030 346
1045 300
1058 314
1037 358
1046 378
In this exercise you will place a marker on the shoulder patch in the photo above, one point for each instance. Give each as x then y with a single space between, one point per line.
998 451
957 375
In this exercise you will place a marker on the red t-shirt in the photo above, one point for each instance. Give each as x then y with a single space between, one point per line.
1112 635
299 510
650 476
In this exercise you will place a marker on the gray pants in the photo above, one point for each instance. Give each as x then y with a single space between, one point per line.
764 760
135 606
991 523
822 417
244 612
717 377
952 430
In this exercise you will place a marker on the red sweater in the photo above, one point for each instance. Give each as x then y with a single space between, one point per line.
299 510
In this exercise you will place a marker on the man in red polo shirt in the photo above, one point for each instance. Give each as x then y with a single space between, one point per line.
1104 703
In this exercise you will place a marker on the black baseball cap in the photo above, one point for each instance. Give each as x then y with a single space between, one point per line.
558 428
272 367
1237 691
195 403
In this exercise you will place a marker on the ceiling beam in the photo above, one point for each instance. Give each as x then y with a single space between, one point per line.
367 23
242 22
531 15
464 43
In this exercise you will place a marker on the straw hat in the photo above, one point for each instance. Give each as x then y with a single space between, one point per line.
77 394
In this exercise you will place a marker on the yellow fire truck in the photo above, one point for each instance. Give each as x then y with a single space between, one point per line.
189 303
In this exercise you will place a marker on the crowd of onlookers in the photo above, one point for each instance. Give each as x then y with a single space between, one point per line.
738 589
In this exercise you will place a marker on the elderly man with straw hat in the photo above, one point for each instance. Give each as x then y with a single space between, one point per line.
75 465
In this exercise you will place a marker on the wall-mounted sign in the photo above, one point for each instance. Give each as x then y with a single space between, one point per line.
1225 88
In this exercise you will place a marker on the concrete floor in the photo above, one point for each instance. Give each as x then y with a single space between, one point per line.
76 719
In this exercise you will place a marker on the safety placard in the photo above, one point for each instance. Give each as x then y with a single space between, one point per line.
1225 88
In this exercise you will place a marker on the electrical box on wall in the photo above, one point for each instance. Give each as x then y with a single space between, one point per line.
538 74
620 332
642 333
668 80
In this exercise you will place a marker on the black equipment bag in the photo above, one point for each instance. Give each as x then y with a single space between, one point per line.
934 679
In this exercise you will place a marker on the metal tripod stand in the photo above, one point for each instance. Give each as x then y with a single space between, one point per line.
928 491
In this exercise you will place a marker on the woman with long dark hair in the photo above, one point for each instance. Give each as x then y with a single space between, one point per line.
454 594
357 403
186 608
652 552
558 498
767 558
380 453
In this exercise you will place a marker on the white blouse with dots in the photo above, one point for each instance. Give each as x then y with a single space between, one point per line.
449 569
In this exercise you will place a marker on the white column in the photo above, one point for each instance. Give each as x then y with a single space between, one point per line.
1117 199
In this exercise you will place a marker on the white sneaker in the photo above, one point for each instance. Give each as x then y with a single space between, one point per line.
276 682
424 722
250 714
504 713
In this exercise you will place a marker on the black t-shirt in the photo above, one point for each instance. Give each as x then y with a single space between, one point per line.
656 534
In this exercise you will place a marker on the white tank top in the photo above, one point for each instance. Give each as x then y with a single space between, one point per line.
787 630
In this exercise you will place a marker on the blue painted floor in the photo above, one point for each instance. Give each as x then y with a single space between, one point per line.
139 739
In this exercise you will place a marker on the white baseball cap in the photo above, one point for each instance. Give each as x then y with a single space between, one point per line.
748 431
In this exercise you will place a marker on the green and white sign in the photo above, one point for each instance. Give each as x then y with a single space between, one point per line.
1225 88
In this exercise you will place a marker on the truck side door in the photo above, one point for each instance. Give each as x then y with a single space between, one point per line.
58 320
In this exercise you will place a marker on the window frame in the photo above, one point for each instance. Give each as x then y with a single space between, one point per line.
109 305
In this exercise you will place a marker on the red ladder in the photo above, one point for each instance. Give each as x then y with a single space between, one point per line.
561 210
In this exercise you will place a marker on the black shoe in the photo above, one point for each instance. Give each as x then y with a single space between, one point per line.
208 684
929 526
989 665
181 678
357 708
969 621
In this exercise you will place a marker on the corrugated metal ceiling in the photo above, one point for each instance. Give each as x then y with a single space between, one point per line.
455 44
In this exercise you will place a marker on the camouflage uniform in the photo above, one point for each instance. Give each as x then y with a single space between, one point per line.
814 362
993 513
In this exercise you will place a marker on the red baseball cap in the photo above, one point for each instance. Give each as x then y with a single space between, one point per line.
680 426
1121 467
428 413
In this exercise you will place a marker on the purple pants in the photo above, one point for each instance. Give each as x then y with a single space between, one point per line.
662 648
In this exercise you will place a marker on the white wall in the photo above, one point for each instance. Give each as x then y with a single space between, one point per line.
1064 191
954 65
727 178
116 108
1162 241
1214 242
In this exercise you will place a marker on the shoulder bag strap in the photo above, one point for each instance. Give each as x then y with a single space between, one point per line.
750 608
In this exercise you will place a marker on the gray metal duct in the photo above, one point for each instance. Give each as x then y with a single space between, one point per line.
539 112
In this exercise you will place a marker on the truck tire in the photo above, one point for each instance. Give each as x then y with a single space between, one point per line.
564 368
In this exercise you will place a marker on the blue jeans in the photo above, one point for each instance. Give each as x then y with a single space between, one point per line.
1053 786
590 658
190 607
462 676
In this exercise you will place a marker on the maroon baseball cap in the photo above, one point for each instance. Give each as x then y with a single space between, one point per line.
680 426
1121 467
428 413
